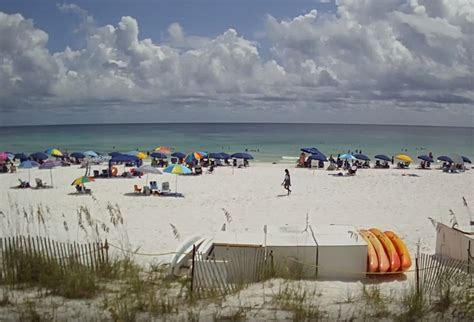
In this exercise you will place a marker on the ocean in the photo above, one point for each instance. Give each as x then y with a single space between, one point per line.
266 141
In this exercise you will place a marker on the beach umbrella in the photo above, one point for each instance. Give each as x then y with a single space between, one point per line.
113 154
179 155
137 154
54 152
82 180
49 165
310 150
163 149
242 155
147 169
466 159
404 158
318 157
28 165
362 157
158 155
224 155
91 154
445 158
39 156
3 156
21 156
382 157
425 158
78 155
457 159
195 156
347 156
215 156
177 169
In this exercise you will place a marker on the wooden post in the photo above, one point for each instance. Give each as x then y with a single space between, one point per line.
92 257
106 247
192 268
417 276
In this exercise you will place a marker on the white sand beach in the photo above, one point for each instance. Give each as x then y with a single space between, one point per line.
254 197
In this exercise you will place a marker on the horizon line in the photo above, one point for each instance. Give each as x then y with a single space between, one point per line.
184 122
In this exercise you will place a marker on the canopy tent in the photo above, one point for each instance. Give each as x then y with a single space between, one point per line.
362 157
425 158
123 158
382 157
312 150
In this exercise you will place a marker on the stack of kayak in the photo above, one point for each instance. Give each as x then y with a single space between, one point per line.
386 252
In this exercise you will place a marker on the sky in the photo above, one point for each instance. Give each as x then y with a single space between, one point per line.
331 61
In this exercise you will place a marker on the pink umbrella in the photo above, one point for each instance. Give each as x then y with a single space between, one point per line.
3 156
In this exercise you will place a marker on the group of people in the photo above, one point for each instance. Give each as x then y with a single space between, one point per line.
7 167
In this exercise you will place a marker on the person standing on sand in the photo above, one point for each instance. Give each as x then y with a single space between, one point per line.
287 181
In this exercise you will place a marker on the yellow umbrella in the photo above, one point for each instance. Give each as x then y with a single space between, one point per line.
403 157
141 155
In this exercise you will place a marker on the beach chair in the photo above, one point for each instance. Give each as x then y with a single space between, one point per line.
198 170
96 173
79 189
137 189
240 163
165 187
174 160
23 184
40 183
314 163
211 169
153 185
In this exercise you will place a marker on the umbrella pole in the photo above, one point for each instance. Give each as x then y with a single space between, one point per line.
176 185
29 175
51 175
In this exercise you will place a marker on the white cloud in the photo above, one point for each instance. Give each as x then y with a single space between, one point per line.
404 54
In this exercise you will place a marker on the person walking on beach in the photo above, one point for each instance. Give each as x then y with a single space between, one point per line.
287 181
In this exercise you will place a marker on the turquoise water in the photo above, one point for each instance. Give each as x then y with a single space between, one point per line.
273 141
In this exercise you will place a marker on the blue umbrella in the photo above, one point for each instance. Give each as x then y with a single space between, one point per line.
21 156
158 155
466 159
78 155
425 158
445 158
50 165
310 150
114 154
91 154
362 157
382 157
39 156
318 156
224 155
179 155
28 165
347 156
215 156
242 155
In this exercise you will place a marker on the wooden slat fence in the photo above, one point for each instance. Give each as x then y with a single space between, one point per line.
16 252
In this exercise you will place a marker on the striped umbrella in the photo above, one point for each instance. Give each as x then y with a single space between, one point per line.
177 169
82 180
54 152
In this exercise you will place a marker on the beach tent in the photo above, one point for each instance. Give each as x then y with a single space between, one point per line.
123 158
312 150
445 158
158 155
466 159
39 156
425 158
242 155
362 157
382 157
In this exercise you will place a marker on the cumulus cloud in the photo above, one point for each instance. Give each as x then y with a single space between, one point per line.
417 52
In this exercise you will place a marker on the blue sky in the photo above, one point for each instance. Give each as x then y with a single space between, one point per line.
343 61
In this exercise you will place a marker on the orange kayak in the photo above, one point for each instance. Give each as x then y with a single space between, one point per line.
372 261
390 250
402 250
384 264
